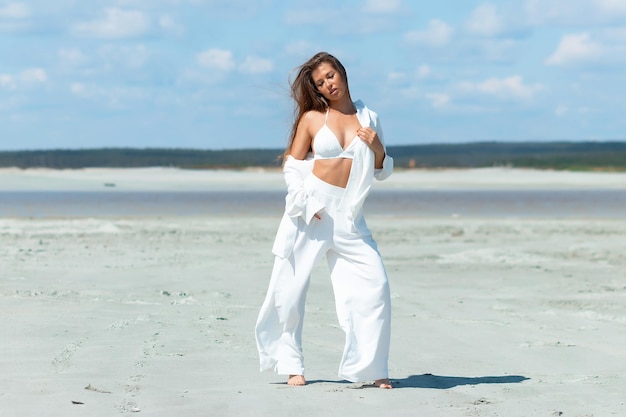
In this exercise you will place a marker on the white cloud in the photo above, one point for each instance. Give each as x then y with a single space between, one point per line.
617 35
310 16
218 59
382 6
15 11
342 19
438 100
561 110
14 17
401 83
78 89
602 47
573 13
611 6
302 49
540 12
109 96
115 24
170 25
499 49
28 77
423 71
410 92
395 77
33 75
72 56
575 48
485 21
222 60
437 34
7 82
254 65
504 88
131 56
519 17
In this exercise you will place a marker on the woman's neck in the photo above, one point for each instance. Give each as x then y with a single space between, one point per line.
344 106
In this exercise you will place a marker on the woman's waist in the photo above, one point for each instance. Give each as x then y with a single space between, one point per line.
334 171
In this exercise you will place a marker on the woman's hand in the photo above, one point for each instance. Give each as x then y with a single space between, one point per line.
370 137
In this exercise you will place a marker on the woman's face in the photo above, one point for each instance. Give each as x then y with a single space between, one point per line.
329 81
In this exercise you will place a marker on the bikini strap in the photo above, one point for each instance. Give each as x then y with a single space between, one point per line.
326 119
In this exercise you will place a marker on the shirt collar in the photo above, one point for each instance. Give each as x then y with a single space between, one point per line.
361 113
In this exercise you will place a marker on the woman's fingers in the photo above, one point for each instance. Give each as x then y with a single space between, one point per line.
366 133
370 137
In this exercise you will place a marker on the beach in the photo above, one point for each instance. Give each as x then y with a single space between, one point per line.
492 315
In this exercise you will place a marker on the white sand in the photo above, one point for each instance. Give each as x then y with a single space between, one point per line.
155 317
99 179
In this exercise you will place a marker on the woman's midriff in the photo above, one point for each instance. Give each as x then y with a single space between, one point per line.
335 171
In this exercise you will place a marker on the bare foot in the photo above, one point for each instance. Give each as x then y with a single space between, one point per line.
296 380
383 383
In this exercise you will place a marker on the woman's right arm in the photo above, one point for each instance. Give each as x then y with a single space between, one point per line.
296 169
301 144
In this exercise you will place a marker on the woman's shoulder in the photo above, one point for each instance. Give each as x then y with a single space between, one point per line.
313 114
311 117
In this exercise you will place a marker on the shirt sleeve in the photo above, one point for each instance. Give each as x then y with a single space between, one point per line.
298 203
384 172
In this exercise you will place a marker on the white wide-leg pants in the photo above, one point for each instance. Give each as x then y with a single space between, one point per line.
360 286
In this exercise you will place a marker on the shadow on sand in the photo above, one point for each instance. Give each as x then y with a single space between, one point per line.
446 382
436 381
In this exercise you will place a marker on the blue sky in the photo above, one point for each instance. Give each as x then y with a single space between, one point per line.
213 74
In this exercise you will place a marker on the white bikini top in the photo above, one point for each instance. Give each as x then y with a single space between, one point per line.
327 145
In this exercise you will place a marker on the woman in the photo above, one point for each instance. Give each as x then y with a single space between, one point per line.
334 152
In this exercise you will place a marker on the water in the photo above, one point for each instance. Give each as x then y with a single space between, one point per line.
414 203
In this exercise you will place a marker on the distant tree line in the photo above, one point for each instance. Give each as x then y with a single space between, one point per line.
545 155
134 157
552 155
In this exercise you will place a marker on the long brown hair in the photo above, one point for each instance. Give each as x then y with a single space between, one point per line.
305 93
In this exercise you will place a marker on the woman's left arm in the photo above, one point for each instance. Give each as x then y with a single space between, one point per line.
373 137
